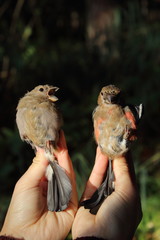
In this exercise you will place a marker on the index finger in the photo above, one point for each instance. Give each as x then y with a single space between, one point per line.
65 162
97 174
62 154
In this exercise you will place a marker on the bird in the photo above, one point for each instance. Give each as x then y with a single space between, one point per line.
39 122
115 127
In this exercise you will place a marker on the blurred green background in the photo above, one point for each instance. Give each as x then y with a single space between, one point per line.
80 46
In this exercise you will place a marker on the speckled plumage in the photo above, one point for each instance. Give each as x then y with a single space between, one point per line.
114 130
114 126
39 122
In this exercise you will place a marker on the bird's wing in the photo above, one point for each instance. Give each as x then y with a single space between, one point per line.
49 121
134 113
39 123
130 117
97 127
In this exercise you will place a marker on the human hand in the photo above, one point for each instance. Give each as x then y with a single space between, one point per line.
120 213
28 216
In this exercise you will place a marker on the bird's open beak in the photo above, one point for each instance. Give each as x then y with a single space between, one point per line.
51 94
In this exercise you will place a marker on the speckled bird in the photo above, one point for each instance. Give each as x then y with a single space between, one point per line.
39 122
115 128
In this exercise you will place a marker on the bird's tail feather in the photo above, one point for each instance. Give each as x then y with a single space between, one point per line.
59 187
105 189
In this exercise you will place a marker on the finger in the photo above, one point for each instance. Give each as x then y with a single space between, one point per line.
36 171
65 162
99 168
62 154
97 174
62 141
123 169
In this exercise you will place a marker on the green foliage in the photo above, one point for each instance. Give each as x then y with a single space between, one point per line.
148 174
13 158
149 228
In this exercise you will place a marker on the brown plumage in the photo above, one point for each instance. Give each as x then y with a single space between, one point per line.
114 129
114 126
39 122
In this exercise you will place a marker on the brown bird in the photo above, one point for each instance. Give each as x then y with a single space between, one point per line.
39 122
114 130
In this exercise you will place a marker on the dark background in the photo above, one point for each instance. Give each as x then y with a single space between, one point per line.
80 46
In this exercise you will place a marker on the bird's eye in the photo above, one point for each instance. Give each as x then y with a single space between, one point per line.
102 93
41 89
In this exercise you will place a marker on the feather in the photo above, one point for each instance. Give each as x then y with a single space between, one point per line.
59 188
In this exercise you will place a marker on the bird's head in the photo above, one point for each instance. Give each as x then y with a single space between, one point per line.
109 95
46 91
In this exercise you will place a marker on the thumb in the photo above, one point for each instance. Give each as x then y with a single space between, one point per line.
125 180
36 171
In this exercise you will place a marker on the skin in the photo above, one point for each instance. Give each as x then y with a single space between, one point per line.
27 215
120 213
117 218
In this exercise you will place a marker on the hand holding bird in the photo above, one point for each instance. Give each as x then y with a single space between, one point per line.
27 216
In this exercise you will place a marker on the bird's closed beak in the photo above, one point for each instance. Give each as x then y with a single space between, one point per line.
111 98
51 94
